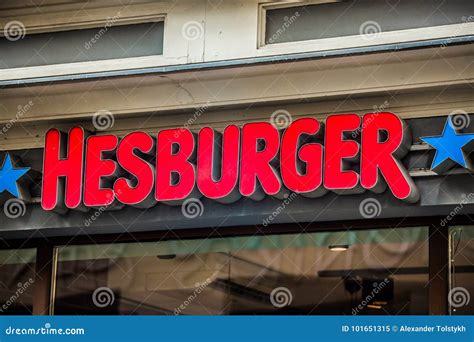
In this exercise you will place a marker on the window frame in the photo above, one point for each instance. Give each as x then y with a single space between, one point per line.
102 65
354 41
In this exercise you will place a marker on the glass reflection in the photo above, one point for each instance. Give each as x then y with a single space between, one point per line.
379 272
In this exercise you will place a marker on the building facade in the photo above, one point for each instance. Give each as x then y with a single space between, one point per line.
236 157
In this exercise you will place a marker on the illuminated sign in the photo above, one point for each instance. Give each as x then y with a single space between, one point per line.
308 158
452 148
10 175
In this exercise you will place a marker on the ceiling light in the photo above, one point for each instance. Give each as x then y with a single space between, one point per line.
377 307
338 248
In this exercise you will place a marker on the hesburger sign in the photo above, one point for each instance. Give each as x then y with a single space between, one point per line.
308 158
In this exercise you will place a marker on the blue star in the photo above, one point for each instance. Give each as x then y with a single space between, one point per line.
449 148
9 176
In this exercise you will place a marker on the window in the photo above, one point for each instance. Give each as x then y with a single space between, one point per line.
112 41
347 18
17 277
376 272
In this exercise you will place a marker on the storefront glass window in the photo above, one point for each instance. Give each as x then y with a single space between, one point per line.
17 276
462 270
376 272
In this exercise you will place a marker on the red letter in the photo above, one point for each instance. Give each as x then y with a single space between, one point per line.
175 148
96 168
260 143
225 165
59 163
311 154
143 171
377 155
338 149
